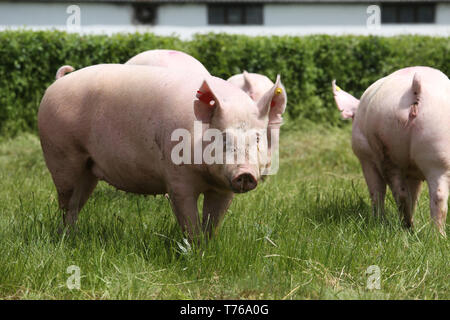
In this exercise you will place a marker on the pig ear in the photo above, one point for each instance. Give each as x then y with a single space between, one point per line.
206 104
346 103
247 81
278 104
274 98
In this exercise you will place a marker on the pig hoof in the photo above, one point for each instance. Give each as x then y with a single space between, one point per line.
67 230
408 225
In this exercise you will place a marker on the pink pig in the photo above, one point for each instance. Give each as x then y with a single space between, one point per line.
401 136
116 123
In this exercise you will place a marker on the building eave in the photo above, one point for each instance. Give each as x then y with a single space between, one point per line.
236 1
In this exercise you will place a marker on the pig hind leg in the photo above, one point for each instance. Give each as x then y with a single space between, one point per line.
405 191
81 191
439 191
376 185
414 186
74 183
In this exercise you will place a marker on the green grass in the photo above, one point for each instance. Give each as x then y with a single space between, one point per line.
306 233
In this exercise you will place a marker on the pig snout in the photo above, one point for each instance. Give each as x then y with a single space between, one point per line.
243 182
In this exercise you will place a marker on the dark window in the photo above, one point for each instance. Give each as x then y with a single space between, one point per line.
144 13
235 14
426 13
407 12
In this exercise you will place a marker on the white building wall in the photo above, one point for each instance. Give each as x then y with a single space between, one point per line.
274 14
182 15
48 13
188 19
443 13
314 14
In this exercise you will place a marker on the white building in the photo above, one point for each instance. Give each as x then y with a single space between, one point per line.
184 17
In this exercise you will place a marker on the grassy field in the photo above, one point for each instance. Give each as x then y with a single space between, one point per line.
306 233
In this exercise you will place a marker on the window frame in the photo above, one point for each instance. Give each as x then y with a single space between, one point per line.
242 6
415 6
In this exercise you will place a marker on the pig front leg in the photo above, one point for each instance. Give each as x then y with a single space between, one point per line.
215 205
184 205
376 185
438 188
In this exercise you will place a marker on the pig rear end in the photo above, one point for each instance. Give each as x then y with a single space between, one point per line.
401 137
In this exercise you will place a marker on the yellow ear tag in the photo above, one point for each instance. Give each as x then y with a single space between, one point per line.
278 91
338 89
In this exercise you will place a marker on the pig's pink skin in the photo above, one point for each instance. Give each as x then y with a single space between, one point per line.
401 137
114 123
256 85
169 59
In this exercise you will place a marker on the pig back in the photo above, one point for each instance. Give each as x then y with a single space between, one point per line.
170 59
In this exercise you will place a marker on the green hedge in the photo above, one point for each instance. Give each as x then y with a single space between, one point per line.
29 60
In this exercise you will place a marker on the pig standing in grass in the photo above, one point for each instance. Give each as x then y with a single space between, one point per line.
117 122
401 135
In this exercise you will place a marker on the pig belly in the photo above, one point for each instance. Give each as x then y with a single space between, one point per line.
130 178
126 163
126 153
